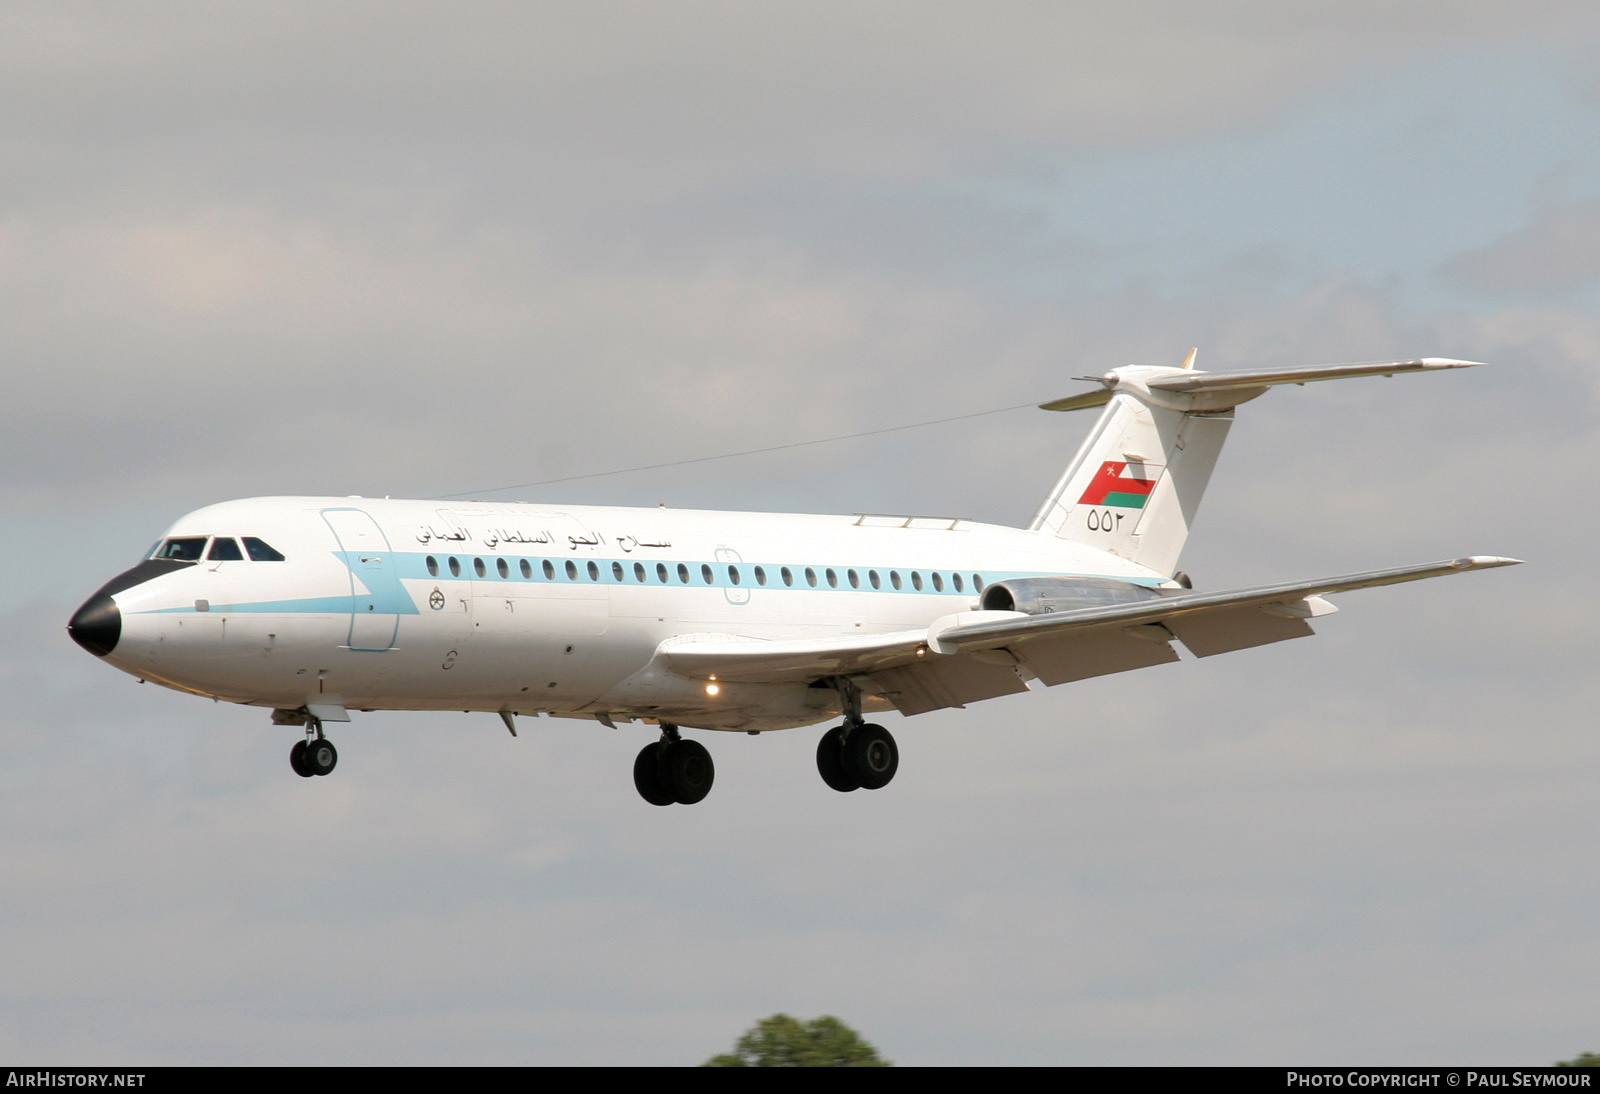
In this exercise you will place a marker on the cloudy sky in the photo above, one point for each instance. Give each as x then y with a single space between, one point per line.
416 249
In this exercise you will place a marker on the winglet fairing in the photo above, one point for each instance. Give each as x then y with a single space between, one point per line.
731 621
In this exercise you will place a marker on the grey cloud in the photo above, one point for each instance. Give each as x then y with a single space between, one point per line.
642 102
372 249
1558 251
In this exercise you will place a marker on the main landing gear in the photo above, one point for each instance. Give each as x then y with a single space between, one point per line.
673 770
315 755
862 756
857 755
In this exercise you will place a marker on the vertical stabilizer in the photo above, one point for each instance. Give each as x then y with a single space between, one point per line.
1135 484
1134 487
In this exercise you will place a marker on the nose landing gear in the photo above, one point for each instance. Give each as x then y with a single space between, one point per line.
315 755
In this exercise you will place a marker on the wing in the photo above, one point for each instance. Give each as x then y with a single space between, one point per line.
969 656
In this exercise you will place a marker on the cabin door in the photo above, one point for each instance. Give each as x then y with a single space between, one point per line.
375 592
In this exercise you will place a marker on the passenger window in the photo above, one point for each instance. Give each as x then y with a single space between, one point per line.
916 581
503 568
833 578
788 578
683 573
549 569
955 579
188 549
638 572
527 568
572 570
733 574
977 583
705 572
594 571
855 579
616 571
661 572
224 549
478 567
872 576
811 577
938 583
761 576
433 566
894 578
259 551
455 566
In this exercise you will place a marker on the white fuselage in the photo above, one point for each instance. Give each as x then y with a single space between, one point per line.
524 608
732 621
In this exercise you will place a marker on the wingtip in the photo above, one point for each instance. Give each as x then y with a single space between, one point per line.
1448 362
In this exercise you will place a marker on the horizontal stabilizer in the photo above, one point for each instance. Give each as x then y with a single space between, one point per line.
1085 401
1191 381
1252 378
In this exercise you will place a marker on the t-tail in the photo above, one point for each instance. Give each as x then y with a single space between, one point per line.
1134 487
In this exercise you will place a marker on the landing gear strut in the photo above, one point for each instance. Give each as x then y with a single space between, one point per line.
673 770
856 755
315 755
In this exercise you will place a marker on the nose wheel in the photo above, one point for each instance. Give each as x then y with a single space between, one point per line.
313 756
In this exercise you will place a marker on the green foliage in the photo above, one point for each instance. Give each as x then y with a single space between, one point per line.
782 1041
1588 1059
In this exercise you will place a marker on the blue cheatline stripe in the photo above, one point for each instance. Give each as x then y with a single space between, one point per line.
413 567
391 601
312 605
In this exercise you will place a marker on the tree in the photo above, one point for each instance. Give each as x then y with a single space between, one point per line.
782 1041
1587 1059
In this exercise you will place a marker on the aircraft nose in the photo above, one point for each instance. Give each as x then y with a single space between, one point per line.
97 625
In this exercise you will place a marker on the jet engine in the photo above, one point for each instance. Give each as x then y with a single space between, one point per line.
1042 595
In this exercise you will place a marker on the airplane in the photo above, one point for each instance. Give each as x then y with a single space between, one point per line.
746 622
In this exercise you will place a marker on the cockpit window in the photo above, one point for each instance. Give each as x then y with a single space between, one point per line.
183 549
224 549
259 551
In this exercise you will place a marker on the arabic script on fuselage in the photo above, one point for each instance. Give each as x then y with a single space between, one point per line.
495 537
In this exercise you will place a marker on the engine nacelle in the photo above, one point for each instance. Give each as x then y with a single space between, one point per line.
1042 595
